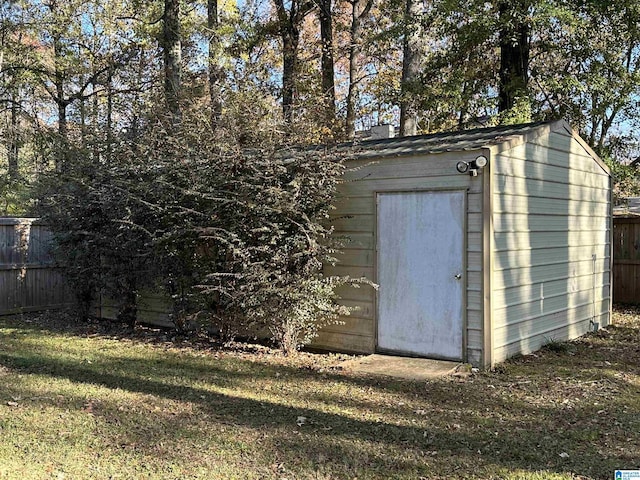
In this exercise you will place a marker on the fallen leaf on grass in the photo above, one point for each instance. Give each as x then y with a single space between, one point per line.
89 406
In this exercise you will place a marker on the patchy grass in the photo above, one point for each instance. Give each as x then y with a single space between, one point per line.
94 401
556 346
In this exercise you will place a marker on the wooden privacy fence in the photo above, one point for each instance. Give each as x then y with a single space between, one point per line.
626 259
29 281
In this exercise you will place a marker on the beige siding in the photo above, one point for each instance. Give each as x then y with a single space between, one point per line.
152 309
550 217
355 218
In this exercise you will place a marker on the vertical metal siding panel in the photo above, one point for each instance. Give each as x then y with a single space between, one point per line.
571 306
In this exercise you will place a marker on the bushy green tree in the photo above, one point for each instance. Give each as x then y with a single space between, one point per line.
626 180
237 238
95 216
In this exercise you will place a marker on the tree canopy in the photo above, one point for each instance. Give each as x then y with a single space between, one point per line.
135 126
70 69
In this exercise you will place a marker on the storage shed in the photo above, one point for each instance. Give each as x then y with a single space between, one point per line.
483 243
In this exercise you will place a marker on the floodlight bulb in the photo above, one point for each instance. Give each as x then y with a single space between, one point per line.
462 167
481 161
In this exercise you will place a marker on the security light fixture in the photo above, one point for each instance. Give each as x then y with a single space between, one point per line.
462 167
473 166
480 162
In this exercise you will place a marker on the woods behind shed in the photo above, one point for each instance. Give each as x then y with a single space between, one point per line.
480 265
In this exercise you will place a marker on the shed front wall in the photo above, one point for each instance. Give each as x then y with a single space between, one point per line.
551 244
355 218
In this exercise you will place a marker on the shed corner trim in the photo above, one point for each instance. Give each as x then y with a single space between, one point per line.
487 261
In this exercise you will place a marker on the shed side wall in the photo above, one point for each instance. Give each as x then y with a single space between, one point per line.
152 309
551 221
355 218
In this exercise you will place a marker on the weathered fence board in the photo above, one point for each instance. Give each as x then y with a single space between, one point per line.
29 281
626 259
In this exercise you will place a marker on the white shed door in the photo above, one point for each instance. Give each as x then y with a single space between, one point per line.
420 273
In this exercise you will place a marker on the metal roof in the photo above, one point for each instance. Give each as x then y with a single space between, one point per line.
442 142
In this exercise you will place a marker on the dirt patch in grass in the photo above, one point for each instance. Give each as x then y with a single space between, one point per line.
98 400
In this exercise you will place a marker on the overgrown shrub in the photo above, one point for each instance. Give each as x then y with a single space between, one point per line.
626 180
236 237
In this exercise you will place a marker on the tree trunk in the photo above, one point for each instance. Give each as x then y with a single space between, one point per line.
62 118
58 95
83 121
411 66
354 51
59 84
605 126
289 25
134 127
61 103
514 53
215 73
63 155
464 106
14 145
95 107
110 94
172 52
327 66
290 41
353 71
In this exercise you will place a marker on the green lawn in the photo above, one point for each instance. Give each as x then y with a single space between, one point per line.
92 401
